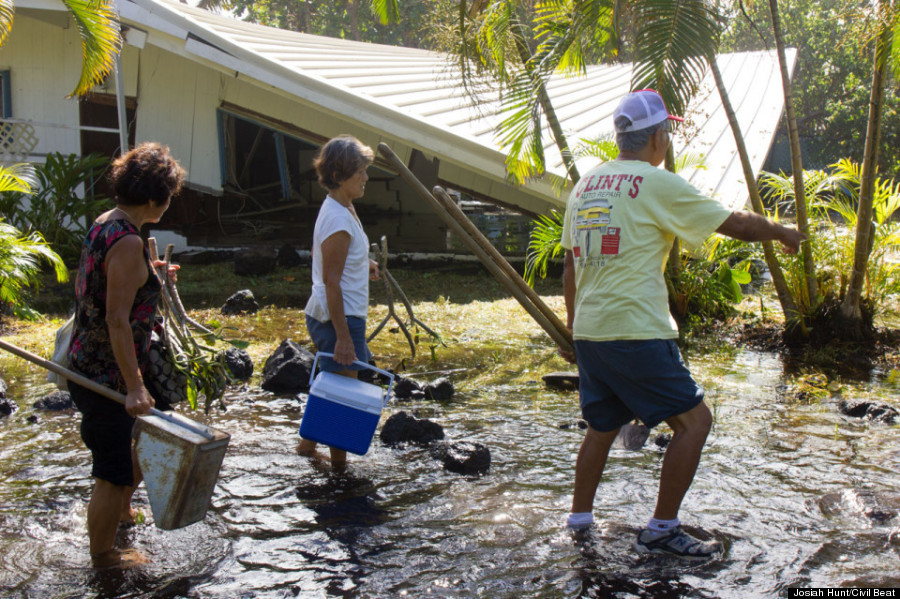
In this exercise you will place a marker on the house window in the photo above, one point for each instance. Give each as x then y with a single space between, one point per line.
5 95
265 165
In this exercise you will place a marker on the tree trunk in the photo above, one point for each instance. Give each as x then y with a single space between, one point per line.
353 7
674 264
809 265
864 227
547 107
788 305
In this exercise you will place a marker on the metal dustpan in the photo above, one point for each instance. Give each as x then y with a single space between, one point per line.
180 458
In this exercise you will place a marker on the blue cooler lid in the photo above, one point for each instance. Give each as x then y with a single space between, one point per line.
349 392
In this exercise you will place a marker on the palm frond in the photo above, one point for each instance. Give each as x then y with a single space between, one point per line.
7 9
98 25
544 245
894 57
673 40
387 11
19 178
603 149
694 160
574 34
886 200
521 131
494 35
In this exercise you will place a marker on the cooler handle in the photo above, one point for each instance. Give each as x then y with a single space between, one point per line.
387 395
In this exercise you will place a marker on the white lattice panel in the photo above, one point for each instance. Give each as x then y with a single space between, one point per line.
17 141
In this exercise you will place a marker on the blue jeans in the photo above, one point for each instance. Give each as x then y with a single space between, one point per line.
324 337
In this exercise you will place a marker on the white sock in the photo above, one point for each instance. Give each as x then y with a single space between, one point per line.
662 526
580 520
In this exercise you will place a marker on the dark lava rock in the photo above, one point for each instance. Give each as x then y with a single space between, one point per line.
255 262
405 428
463 457
33 419
561 381
239 363
632 436
288 257
373 377
204 257
7 406
439 390
878 508
661 440
406 388
870 411
287 369
58 400
580 423
242 302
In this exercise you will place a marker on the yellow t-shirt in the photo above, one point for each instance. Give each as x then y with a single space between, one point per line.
621 220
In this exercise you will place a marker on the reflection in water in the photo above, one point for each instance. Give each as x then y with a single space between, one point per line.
797 493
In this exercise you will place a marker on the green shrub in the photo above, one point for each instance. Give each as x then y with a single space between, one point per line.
833 197
55 209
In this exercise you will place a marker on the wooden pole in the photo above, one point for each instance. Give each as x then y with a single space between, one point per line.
455 211
96 387
563 341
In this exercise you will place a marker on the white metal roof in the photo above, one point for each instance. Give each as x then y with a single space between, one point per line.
418 96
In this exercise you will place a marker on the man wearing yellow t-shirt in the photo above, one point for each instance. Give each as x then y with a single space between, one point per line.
621 221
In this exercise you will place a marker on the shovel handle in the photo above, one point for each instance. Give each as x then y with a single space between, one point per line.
95 386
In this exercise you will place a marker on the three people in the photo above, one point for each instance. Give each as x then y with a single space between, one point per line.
339 302
116 294
620 223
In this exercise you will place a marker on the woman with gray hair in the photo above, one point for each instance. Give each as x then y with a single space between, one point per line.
338 305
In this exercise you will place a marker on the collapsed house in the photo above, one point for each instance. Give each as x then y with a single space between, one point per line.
244 108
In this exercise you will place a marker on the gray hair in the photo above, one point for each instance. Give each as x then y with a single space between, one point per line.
635 141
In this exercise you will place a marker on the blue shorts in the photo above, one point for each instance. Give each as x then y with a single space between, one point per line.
623 380
324 337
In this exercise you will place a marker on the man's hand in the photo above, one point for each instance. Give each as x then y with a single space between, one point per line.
790 240
566 355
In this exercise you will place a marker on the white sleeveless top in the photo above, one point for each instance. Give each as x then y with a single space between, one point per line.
334 217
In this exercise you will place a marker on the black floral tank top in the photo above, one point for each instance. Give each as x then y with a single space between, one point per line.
90 352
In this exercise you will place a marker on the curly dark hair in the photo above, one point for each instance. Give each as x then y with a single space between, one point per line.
147 173
339 159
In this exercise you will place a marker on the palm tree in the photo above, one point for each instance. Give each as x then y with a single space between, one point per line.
788 303
22 256
672 38
98 25
809 265
887 54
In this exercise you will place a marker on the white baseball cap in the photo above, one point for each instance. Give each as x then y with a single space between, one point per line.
644 108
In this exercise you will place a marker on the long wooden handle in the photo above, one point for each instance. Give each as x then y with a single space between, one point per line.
489 263
455 211
95 386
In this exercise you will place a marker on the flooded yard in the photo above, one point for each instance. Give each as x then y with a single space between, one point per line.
799 494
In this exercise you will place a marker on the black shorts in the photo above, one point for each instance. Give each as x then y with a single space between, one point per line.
106 430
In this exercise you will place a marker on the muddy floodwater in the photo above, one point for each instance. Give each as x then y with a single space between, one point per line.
799 495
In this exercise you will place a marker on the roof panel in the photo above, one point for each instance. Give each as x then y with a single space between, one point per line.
427 88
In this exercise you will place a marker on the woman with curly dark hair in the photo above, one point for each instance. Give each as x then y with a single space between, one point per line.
116 293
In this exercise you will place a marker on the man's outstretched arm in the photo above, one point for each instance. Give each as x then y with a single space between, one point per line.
749 226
